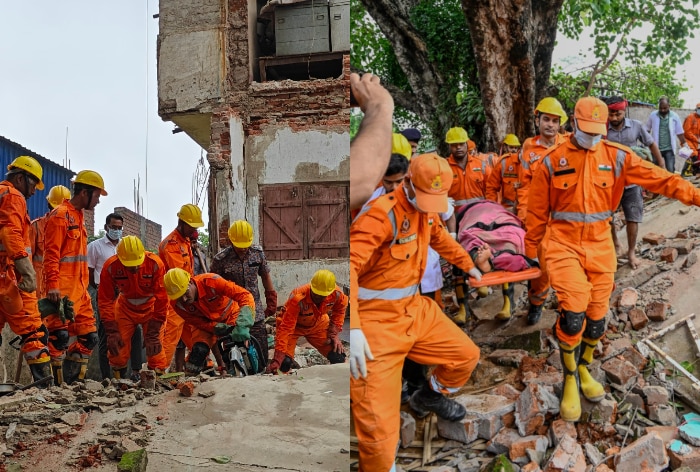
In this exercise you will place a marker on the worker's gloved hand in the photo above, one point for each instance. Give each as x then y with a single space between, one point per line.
68 311
47 307
246 317
359 350
476 273
276 362
271 302
114 337
222 329
27 281
151 338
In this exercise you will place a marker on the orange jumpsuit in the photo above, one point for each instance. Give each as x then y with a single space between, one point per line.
468 184
218 301
65 268
503 181
531 156
176 252
691 131
388 253
14 244
301 317
36 238
577 193
131 299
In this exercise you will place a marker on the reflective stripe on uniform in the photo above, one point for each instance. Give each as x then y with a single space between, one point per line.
581 217
468 201
139 301
620 162
79 258
546 161
387 293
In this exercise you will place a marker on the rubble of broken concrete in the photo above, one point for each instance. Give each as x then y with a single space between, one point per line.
647 422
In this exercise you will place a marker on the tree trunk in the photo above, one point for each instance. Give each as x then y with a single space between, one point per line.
513 43
393 20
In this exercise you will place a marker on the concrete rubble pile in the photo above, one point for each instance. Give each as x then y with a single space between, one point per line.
645 422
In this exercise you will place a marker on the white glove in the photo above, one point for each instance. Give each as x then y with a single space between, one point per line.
454 236
359 349
476 273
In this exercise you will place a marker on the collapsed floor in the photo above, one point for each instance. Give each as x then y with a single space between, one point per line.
647 421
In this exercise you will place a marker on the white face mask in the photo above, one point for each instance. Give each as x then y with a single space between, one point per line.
114 234
412 201
585 140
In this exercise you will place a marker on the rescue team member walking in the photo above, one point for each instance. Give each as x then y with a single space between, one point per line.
212 307
306 314
549 117
66 272
131 293
575 191
390 321
176 252
37 230
18 306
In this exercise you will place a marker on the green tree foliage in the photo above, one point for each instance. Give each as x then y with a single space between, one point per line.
641 32
94 237
641 83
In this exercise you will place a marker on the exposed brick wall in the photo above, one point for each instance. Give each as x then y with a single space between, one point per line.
89 217
148 231
238 76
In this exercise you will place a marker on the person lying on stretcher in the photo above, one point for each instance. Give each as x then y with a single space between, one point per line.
494 237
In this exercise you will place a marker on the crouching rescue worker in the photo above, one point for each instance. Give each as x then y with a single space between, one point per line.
574 193
306 313
390 320
66 275
18 303
212 307
131 293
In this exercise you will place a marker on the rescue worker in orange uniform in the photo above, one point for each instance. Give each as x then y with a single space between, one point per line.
503 183
306 313
18 302
131 293
390 320
469 176
487 158
578 187
549 117
691 131
176 252
66 274
56 196
212 306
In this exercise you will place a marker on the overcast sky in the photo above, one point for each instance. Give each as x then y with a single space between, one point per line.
83 65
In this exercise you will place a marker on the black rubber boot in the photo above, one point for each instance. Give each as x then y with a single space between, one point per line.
425 400
119 373
57 371
74 368
39 371
534 313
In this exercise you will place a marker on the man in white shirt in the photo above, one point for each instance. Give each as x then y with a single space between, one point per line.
665 127
98 252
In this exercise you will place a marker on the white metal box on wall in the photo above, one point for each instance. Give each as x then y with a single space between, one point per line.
302 28
340 25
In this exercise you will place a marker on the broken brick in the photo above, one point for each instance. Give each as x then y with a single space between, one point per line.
507 357
561 428
683 234
667 433
663 414
531 467
655 394
603 468
408 429
690 260
638 318
484 417
635 358
620 371
518 450
690 430
602 412
186 389
657 311
501 442
683 247
669 254
506 390
532 405
646 453
654 239
567 456
691 460
628 298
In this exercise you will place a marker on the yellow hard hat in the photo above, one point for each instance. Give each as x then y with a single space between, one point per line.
456 136
551 106
91 178
511 140
176 282
400 145
57 194
191 214
241 234
323 282
31 166
130 251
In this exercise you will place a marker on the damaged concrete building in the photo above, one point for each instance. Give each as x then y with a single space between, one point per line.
264 90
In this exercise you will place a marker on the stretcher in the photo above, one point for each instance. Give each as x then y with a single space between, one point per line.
499 277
